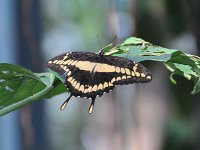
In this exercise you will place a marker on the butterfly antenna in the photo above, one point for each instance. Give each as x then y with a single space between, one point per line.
99 42
113 40
101 52
91 106
62 107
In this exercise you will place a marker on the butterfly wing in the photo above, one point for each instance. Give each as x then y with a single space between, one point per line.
88 74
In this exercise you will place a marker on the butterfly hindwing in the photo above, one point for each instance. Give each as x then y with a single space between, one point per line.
84 84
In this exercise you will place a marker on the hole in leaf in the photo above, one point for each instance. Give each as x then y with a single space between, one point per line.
5 72
9 89
2 80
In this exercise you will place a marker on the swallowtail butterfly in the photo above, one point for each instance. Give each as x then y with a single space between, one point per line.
88 74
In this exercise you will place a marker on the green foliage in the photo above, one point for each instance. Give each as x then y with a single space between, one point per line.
176 61
19 86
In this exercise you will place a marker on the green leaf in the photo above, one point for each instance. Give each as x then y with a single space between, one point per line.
139 50
184 65
196 87
58 86
177 62
134 41
172 79
19 86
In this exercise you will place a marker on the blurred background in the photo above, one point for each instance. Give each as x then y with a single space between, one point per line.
152 116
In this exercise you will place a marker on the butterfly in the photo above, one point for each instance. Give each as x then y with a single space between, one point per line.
88 75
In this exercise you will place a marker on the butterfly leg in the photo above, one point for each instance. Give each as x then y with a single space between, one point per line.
65 103
91 106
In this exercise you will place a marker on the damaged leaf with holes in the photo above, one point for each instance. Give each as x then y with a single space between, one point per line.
177 62
17 84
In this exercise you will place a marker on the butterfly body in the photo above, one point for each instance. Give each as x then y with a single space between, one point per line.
88 75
